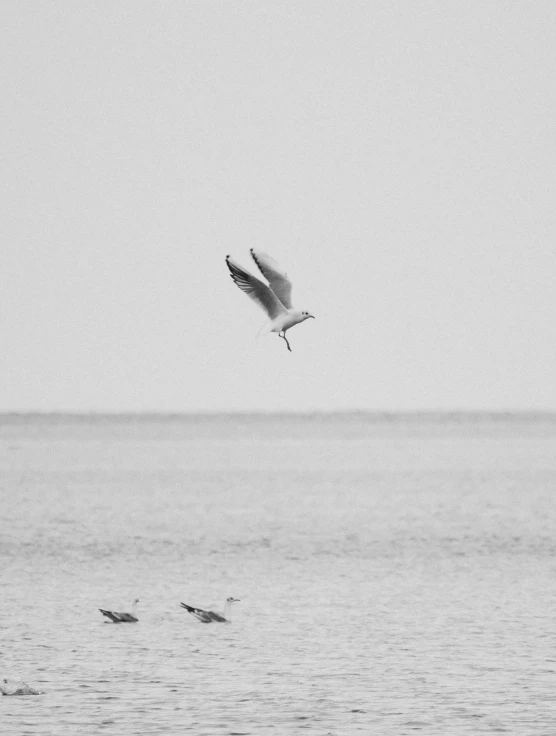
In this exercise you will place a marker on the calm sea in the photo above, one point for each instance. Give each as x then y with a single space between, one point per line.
397 574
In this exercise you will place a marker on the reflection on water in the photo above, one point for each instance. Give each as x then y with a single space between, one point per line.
396 574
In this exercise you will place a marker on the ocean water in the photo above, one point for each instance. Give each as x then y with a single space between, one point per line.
397 574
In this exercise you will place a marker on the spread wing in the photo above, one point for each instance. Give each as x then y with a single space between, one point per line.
260 293
278 279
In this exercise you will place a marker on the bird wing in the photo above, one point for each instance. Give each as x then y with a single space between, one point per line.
127 617
203 616
216 616
278 279
112 616
254 288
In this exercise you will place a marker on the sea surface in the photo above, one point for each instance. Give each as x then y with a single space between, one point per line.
397 574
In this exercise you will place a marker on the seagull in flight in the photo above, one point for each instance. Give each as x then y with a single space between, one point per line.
274 298
122 618
207 617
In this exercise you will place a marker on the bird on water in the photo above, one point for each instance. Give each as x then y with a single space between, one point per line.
16 687
207 617
122 618
274 298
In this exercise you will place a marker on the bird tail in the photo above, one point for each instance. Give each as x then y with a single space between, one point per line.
265 329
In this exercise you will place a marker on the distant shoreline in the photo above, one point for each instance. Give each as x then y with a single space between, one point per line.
368 415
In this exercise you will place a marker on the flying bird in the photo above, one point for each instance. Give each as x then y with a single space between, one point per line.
274 298
207 617
122 618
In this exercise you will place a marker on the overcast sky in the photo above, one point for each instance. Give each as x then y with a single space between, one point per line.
397 158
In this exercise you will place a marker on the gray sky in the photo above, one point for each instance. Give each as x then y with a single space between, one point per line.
397 158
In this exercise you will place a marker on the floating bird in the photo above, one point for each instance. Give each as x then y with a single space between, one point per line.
207 617
275 298
122 618
16 687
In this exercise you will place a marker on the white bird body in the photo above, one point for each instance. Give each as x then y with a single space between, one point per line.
274 298
284 321
16 687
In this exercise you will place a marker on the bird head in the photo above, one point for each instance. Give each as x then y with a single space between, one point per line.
306 315
232 600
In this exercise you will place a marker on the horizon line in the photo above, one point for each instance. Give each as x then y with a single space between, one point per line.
376 413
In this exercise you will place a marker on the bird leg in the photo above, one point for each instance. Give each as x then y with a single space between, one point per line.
283 336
